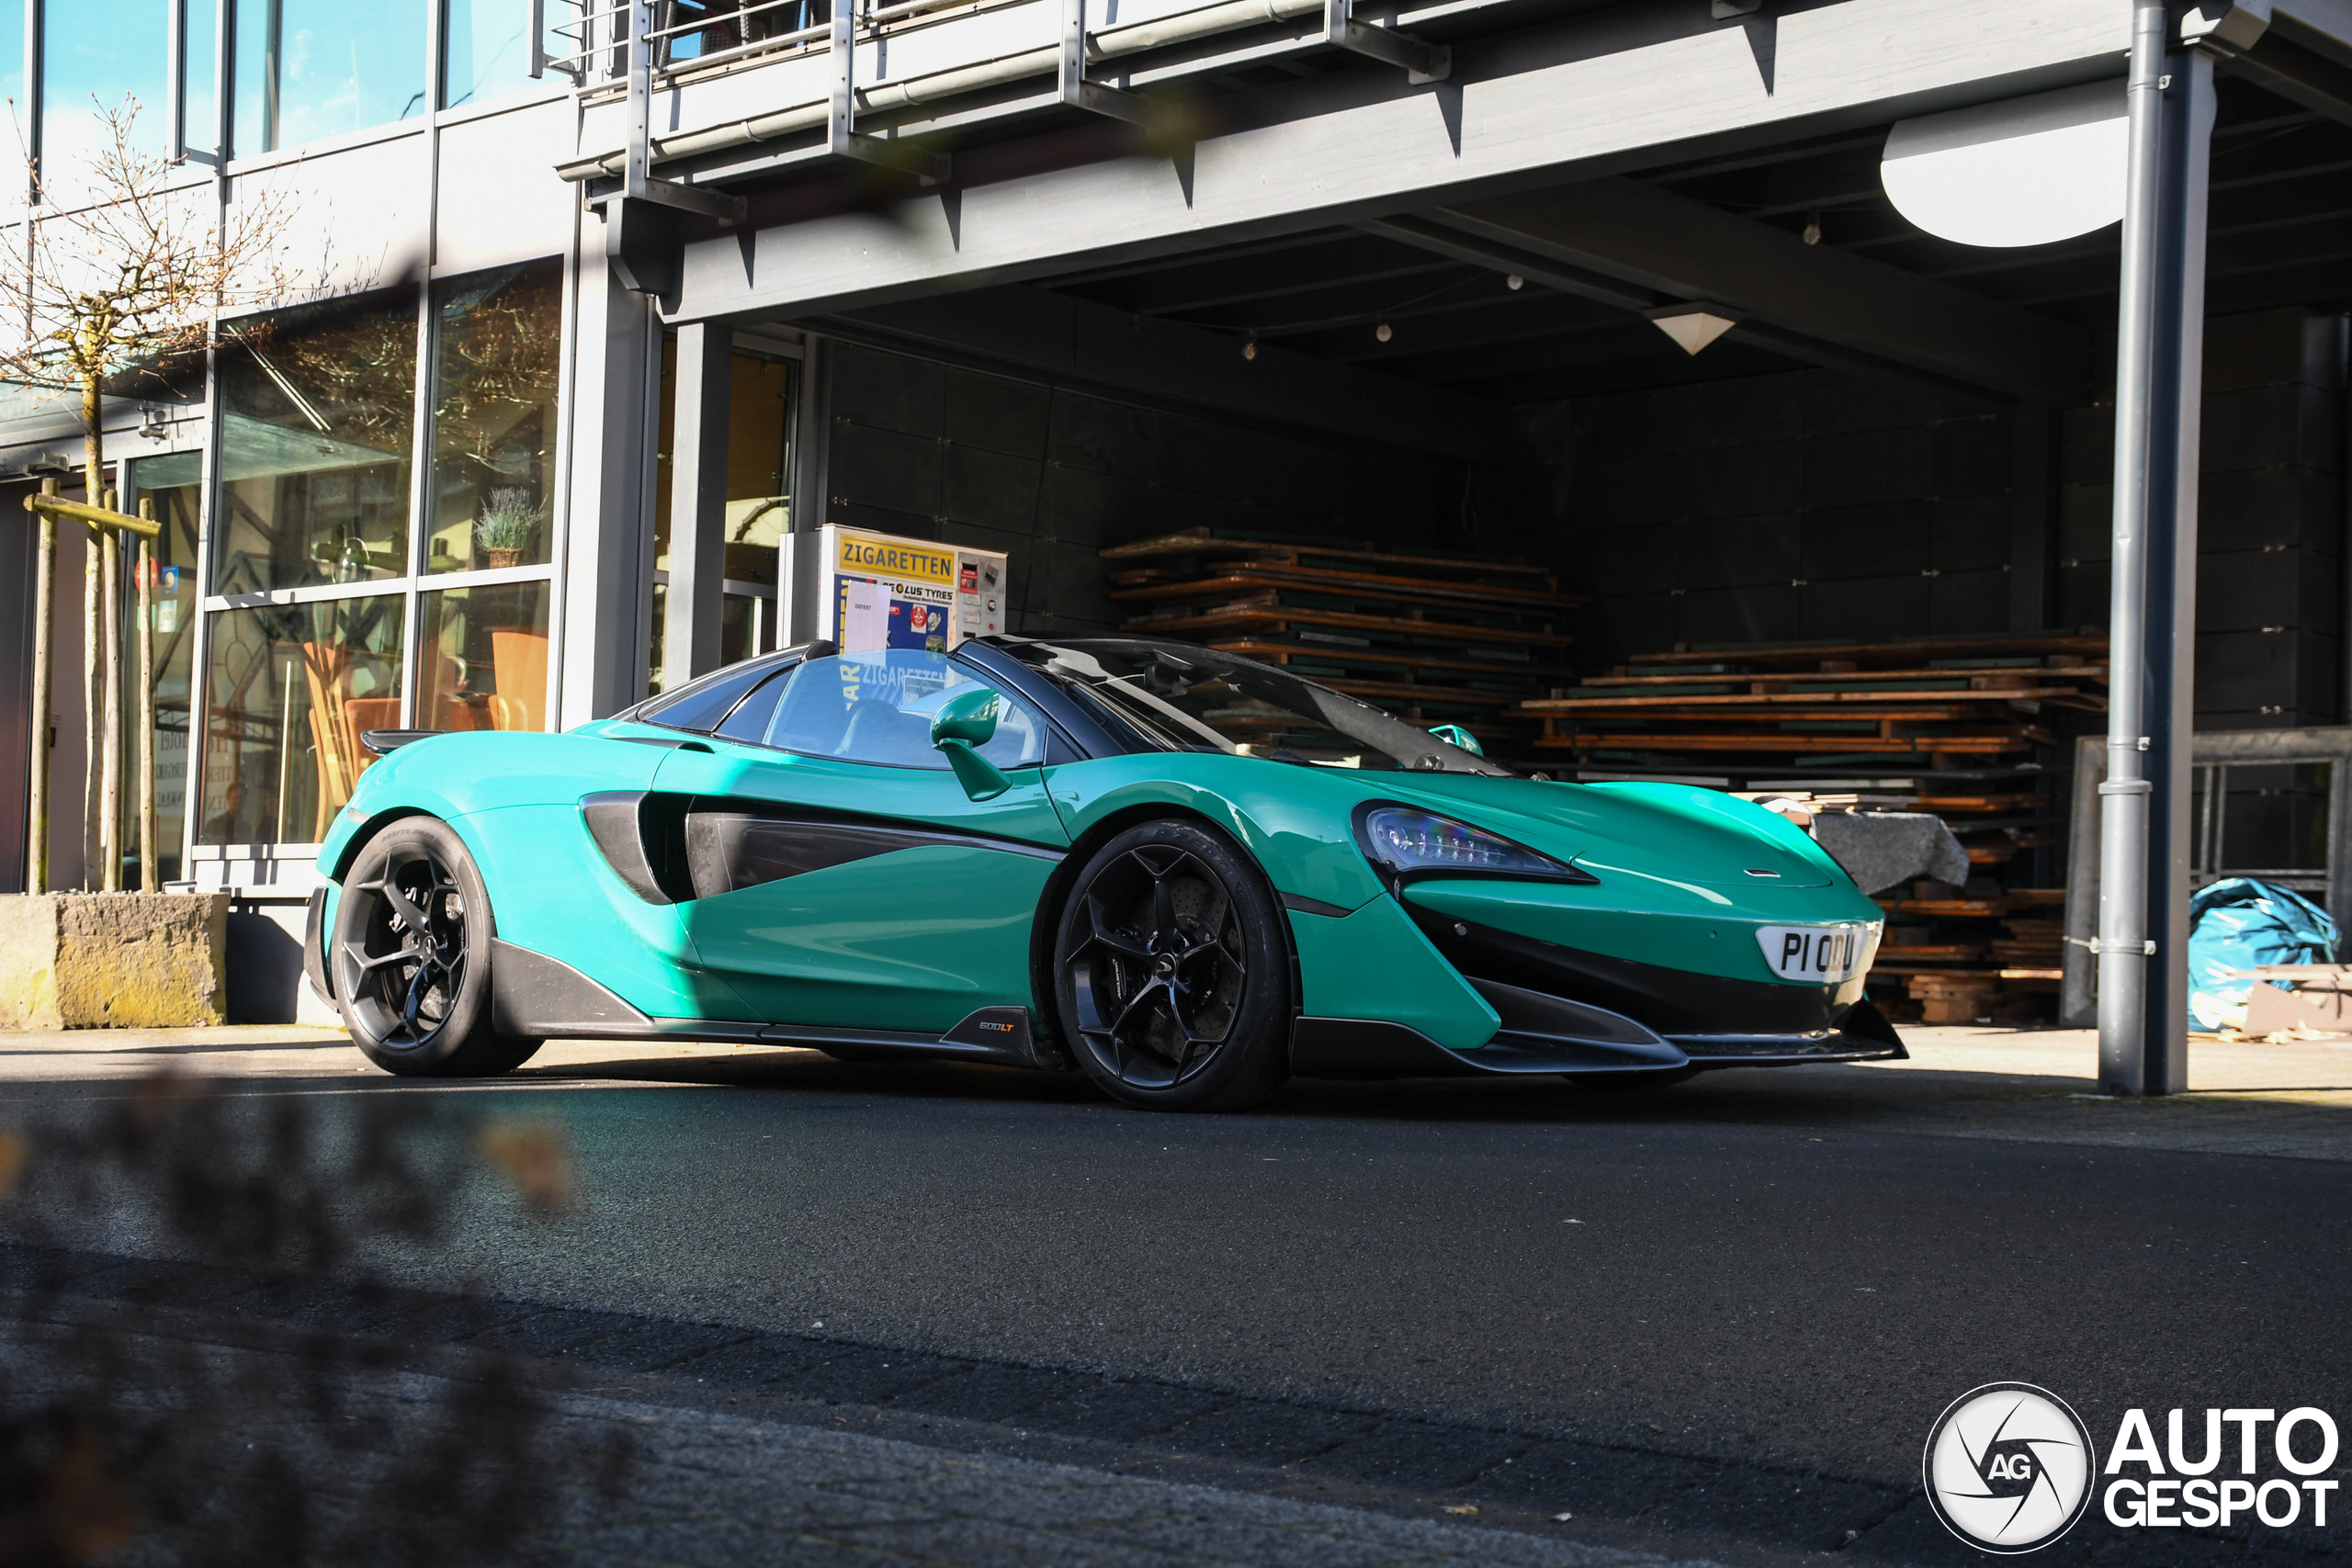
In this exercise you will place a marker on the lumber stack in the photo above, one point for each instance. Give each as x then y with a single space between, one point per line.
1965 727
1944 703
1434 637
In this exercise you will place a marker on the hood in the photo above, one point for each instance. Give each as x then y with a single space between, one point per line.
1676 831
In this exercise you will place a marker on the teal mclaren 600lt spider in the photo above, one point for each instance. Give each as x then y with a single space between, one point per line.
1188 873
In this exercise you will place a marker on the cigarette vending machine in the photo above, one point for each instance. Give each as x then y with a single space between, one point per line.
864 591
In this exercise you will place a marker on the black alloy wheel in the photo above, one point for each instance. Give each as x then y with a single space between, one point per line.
1173 976
410 956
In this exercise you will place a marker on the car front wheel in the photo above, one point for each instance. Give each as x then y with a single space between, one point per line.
1173 972
409 954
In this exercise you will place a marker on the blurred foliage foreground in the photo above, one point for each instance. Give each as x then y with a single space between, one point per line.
243 1411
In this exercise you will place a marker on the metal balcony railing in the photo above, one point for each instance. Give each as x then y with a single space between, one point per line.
649 45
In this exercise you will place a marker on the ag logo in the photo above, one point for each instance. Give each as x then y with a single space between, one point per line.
2008 1467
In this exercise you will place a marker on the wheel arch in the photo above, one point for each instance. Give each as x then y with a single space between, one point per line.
1055 894
366 832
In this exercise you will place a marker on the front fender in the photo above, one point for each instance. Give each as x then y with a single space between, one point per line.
1294 822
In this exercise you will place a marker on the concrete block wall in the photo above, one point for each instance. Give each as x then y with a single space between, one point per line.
1811 505
2272 520
1051 476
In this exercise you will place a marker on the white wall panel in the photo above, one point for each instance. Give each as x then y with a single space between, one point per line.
499 199
358 213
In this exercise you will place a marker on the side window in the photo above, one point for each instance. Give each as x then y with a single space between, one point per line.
753 715
704 702
877 707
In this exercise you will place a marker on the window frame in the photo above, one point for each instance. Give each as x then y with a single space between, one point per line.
794 660
413 585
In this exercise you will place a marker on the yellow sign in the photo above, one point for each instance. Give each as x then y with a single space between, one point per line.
871 553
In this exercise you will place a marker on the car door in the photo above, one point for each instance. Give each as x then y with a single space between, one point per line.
844 878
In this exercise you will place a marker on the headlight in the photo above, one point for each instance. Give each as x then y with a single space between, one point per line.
1409 842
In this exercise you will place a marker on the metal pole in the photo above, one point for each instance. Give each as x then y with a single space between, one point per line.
110 747
2144 827
150 876
44 634
641 100
2124 824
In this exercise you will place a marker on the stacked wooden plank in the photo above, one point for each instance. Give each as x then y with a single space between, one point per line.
1958 972
1434 637
1953 702
1965 725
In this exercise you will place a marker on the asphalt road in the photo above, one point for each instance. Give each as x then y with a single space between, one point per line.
1704 1274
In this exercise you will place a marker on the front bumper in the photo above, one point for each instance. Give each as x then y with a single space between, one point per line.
1566 1010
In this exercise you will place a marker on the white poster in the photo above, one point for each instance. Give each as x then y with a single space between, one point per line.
866 616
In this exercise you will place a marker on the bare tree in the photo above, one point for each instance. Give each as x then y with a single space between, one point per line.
106 296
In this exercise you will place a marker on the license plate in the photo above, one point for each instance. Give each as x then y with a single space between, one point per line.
1825 955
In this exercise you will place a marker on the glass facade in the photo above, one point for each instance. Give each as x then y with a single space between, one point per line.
728 23
486 49
96 59
485 657
173 486
200 107
318 410
288 691
341 589
317 441
759 466
761 390
17 135
309 69
500 338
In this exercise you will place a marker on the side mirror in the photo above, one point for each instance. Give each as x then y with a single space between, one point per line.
1455 735
963 722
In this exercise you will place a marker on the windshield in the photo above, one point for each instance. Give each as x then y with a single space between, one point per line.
1182 698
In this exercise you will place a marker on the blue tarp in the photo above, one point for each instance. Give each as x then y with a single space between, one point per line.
2237 923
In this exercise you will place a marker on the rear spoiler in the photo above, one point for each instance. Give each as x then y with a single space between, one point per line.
382 741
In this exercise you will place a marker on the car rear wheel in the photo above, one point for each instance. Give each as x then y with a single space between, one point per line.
410 956
1173 973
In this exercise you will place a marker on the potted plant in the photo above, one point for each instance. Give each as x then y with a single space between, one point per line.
508 524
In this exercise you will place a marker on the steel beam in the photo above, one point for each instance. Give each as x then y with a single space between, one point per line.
694 604
2300 49
1420 61
606 547
1093 346
1668 248
1593 94
1081 94
841 136
2144 831
637 184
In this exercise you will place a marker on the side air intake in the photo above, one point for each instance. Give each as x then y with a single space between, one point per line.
643 834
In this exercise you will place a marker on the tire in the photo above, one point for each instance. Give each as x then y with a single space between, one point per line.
416 996
1662 1077
1173 972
